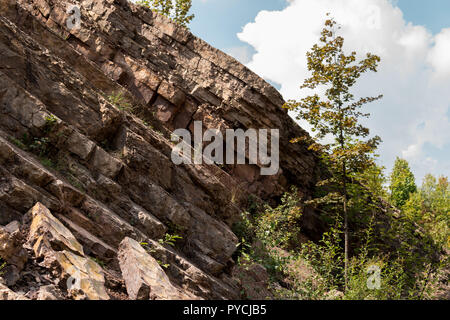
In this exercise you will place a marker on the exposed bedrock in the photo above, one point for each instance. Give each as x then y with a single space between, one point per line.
90 178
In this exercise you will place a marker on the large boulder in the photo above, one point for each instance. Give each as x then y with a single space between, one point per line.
46 232
144 277
84 277
64 256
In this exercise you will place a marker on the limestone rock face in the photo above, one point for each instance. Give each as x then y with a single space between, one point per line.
86 116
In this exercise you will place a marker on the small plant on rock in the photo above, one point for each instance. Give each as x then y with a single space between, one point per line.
120 101
170 239
2 266
50 122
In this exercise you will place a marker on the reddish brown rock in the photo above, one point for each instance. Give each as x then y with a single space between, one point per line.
165 110
108 172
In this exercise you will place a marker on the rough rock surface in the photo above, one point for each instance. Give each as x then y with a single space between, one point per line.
49 292
46 232
11 245
52 242
254 281
7 294
144 277
103 170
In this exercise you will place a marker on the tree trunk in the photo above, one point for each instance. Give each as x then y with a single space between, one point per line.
344 191
346 240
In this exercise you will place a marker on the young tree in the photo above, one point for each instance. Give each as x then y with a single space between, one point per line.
402 183
337 113
429 207
177 10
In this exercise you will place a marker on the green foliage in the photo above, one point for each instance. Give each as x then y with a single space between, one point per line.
327 257
147 247
162 264
40 146
391 280
337 113
177 10
2 266
120 101
276 227
415 250
17 142
280 227
151 251
46 162
429 207
266 230
374 180
315 270
50 122
170 239
99 262
402 183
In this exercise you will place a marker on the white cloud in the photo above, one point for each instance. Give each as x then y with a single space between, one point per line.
242 54
411 75
439 56
412 152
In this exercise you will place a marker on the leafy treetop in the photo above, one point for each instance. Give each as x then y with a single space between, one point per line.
337 113
177 10
402 183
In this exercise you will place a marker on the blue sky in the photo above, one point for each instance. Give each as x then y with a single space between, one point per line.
434 14
219 21
412 38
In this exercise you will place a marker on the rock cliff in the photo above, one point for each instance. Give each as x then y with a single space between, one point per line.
87 185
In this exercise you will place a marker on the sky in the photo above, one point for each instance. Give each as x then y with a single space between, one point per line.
412 37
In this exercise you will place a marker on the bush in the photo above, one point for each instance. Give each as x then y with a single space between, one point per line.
280 227
268 232
315 270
